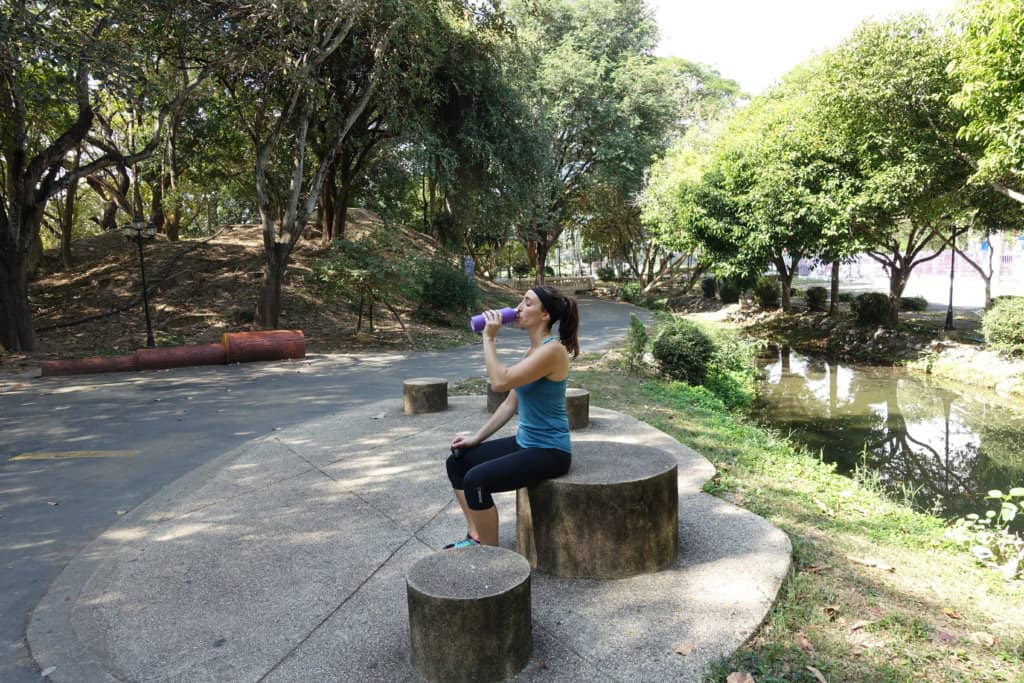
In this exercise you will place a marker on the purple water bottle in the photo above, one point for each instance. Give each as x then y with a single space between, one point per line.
508 316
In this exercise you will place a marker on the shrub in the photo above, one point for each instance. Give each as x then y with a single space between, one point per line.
732 369
549 271
766 290
708 287
871 308
605 273
913 303
522 269
446 290
632 292
1003 325
846 297
729 290
816 298
379 267
683 350
636 342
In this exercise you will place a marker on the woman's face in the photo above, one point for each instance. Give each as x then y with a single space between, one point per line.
530 310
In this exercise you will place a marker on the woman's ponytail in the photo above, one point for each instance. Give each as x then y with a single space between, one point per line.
564 311
568 326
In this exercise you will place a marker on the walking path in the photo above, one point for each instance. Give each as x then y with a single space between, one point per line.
285 559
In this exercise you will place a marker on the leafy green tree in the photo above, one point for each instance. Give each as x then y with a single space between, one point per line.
480 147
766 193
986 60
601 103
280 82
613 204
59 63
670 203
885 96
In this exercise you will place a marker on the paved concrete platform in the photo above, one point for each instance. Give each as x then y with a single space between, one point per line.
285 559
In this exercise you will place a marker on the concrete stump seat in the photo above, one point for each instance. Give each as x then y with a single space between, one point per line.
615 514
469 614
577 407
495 398
425 395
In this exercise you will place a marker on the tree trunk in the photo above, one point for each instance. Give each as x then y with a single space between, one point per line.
67 224
786 279
174 215
833 295
211 213
156 205
542 259
268 309
16 333
327 199
898 277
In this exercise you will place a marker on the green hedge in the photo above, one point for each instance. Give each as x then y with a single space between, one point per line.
766 291
871 308
1003 325
446 290
683 351
913 303
729 289
816 298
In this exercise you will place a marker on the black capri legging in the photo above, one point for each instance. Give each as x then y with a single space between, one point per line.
501 465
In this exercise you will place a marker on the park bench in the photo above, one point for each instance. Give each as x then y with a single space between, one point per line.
572 284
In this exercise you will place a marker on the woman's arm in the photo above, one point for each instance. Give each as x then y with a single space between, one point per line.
502 414
544 361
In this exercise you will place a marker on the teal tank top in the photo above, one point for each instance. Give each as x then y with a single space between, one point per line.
542 419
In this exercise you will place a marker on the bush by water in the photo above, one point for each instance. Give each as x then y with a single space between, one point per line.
1003 325
683 351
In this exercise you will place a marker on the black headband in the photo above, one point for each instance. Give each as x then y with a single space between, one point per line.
553 306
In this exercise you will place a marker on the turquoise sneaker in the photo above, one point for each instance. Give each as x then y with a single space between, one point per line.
467 542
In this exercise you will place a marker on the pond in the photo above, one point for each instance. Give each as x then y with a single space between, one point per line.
941 448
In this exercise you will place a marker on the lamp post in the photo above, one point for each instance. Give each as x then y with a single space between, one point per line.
136 231
952 272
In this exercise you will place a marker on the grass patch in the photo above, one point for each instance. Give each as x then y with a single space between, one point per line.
876 593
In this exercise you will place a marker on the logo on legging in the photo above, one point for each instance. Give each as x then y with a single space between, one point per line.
480 495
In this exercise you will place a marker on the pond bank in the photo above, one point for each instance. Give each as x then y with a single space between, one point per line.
877 591
938 446
974 365
919 343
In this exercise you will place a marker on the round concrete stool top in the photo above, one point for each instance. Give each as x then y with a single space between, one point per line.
469 573
424 381
609 462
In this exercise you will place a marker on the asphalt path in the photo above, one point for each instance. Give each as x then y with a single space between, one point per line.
134 433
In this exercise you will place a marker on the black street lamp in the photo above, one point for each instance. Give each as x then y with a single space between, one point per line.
952 273
137 231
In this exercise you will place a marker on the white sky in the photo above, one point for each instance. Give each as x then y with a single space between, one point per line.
755 42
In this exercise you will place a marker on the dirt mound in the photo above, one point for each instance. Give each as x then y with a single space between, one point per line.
199 289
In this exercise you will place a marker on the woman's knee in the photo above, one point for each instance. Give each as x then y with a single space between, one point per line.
456 470
477 495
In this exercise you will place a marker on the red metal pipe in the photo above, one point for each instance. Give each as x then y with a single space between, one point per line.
180 356
87 366
243 347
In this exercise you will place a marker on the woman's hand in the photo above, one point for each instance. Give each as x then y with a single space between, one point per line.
465 442
492 324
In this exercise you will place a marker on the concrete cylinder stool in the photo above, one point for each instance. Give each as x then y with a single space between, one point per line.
495 398
577 407
469 614
425 395
615 514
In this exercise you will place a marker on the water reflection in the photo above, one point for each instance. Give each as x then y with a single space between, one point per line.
946 448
